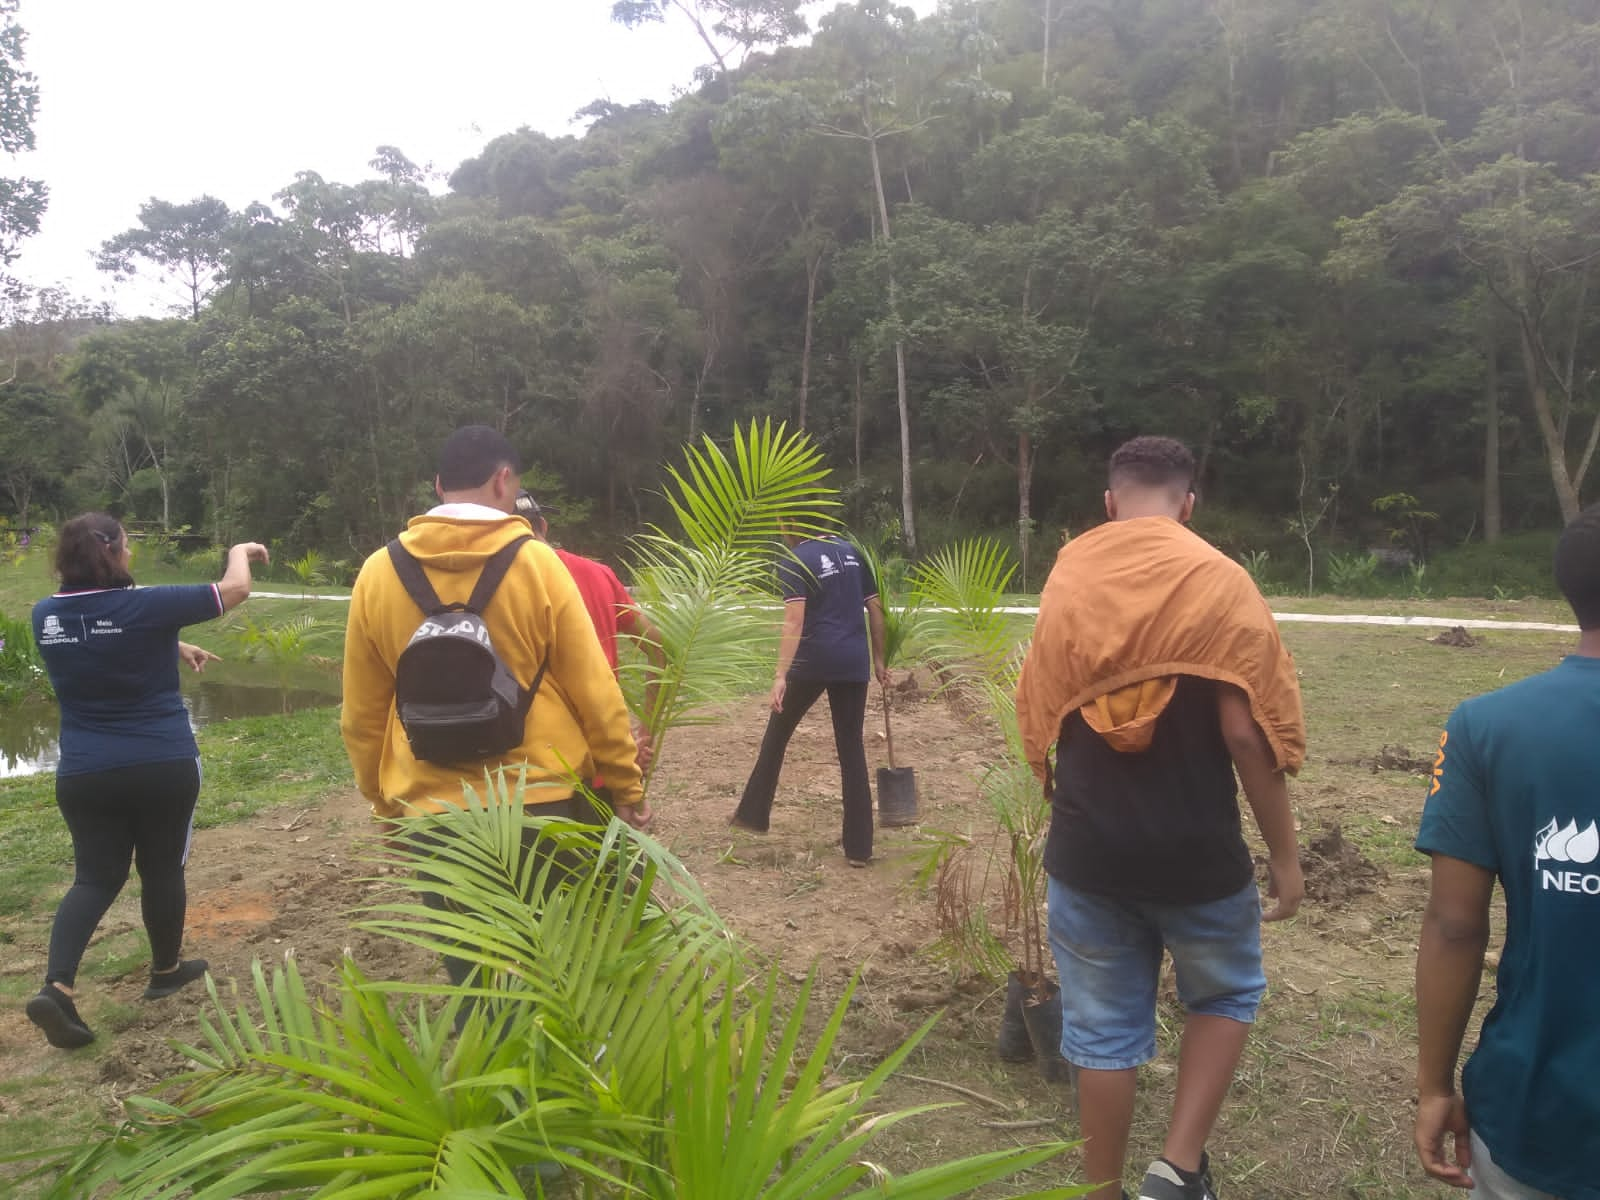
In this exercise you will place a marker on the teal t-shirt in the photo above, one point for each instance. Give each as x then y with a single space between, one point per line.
1517 791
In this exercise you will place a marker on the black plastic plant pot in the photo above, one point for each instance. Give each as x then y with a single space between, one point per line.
1042 1015
897 796
1014 1044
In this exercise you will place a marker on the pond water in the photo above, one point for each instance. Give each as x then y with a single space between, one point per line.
28 731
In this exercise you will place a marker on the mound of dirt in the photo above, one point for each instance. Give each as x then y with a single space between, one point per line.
1390 758
1456 636
1336 872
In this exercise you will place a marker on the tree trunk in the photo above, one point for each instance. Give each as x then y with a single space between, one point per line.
1024 500
858 432
1044 66
813 269
1491 434
908 518
1554 445
908 521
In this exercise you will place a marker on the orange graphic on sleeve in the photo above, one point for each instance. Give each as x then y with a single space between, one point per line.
1438 764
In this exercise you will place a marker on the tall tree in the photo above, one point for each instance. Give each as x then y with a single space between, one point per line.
187 242
724 27
869 43
22 200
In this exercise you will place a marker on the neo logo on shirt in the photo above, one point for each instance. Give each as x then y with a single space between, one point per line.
1568 844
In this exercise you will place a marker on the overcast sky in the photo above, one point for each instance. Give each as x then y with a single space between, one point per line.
176 98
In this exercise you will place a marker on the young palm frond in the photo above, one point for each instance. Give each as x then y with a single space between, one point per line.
709 589
612 1030
737 505
717 633
960 593
798 1139
606 967
902 616
361 1099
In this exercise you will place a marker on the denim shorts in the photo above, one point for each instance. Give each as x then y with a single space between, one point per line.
1108 954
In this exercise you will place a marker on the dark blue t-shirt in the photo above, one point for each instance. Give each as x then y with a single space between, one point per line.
1516 791
835 583
112 656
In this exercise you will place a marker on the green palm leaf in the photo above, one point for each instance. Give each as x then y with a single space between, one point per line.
736 504
960 591
709 589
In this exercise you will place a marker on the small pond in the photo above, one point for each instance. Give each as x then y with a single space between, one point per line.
28 731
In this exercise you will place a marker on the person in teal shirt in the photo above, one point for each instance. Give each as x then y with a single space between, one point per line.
1515 796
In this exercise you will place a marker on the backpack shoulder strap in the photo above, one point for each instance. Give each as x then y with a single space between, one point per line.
493 572
483 591
414 579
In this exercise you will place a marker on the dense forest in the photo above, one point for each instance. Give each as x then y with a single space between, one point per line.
1350 252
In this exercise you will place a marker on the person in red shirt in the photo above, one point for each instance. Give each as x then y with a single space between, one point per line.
611 609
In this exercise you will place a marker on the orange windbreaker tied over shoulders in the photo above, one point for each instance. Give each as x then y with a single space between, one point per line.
1128 607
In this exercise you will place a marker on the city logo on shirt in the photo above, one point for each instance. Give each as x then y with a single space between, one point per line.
826 567
53 633
1558 843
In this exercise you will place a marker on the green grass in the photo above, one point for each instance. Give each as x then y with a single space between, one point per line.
249 765
1370 687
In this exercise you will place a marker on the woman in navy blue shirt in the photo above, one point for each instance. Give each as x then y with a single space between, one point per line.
129 773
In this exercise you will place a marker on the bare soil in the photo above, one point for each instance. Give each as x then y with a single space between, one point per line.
1322 1107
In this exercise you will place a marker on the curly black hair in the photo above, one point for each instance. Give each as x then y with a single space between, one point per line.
1578 566
1153 462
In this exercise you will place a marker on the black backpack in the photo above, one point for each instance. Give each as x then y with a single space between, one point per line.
457 700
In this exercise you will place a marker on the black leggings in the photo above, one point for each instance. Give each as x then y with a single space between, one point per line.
140 814
848 704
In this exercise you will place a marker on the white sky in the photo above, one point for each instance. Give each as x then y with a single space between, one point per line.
177 98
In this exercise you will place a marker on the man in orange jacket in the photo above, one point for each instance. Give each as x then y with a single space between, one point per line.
1156 672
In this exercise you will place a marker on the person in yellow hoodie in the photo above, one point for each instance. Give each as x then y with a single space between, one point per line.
1156 672
577 724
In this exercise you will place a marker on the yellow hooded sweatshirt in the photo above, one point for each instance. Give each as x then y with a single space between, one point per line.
578 721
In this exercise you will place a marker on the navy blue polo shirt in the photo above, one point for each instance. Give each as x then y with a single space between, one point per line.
112 656
835 584
1514 792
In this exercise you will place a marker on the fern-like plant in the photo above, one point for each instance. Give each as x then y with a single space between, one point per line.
615 1032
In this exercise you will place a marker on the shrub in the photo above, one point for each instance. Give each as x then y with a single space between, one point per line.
1517 565
1353 574
22 672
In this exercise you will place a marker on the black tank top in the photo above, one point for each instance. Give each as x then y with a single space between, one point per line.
1161 825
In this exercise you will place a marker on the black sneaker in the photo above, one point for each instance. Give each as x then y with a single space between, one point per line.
52 1010
1163 1181
165 983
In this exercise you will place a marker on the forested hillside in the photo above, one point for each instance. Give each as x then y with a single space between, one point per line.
1347 250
